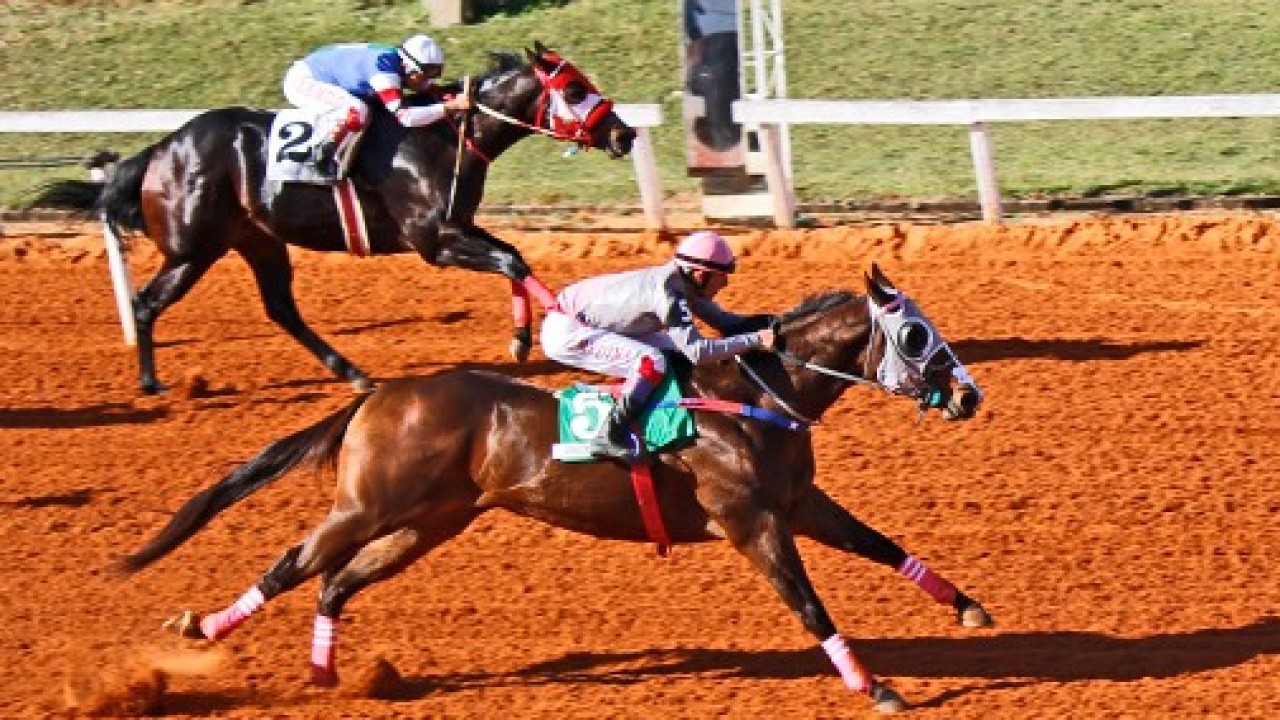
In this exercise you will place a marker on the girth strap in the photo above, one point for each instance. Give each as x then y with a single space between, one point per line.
650 513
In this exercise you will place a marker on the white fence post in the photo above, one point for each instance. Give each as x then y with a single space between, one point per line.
984 167
642 156
121 283
780 191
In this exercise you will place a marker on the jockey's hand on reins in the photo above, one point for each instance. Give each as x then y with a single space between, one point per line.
779 342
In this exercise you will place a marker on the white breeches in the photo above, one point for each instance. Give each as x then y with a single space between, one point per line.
568 341
306 92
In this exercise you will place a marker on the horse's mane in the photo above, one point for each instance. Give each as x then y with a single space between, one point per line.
818 302
502 62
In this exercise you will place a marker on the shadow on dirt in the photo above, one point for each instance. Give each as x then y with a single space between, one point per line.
522 370
72 498
973 352
1011 659
92 416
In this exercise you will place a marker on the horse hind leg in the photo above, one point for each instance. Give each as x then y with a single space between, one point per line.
820 518
329 547
381 559
269 261
170 283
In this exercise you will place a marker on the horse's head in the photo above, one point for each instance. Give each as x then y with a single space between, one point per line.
553 97
881 340
911 357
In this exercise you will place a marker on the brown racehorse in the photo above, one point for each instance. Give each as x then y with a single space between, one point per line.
419 459
201 192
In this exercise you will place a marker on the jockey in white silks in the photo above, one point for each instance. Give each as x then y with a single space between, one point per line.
619 324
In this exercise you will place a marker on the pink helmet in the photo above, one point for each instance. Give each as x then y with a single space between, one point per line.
706 250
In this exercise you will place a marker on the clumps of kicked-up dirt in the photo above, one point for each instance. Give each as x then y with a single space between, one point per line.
135 686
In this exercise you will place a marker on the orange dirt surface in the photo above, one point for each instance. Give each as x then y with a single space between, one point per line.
1115 505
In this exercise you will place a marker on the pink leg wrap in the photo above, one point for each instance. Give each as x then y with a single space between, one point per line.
851 671
937 587
324 642
541 292
220 624
520 305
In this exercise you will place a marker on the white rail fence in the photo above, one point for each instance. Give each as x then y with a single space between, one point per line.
642 117
771 116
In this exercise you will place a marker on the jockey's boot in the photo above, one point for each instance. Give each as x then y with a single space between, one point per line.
615 439
326 154
333 156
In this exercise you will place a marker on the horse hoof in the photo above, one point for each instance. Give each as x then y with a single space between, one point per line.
186 624
519 350
885 700
153 387
975 616
362 385
323 677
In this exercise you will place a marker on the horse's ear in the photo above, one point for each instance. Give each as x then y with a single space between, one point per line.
881 279
540 48
880 294
533 56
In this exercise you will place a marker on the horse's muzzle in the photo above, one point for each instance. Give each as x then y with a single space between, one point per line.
620 141
963 404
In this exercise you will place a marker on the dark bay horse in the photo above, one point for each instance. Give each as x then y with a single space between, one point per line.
200 192
419 459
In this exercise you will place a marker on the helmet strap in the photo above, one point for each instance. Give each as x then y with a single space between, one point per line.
699 285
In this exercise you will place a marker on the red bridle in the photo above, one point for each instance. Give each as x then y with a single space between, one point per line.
571 123
568 122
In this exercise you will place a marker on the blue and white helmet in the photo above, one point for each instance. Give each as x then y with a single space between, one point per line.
419 51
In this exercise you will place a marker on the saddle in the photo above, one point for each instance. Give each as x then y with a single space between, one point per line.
296 133
665 423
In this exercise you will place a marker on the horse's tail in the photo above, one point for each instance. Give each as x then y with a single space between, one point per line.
317 445
119 198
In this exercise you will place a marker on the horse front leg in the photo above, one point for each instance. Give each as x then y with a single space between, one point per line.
820 518
473 248
763 537
273 273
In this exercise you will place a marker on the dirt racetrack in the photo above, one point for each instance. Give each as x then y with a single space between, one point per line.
1116 504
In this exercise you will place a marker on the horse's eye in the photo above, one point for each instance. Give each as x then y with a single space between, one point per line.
575 92
914 339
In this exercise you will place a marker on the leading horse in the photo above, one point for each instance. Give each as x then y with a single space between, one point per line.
201 192
418 460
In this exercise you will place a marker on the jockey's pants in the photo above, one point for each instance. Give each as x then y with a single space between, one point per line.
304 91
638 359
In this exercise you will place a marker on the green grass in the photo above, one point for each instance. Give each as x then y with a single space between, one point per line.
145 54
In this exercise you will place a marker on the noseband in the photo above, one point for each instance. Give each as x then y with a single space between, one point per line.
556 118
877 329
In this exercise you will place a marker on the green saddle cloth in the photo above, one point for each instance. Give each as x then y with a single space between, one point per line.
584 410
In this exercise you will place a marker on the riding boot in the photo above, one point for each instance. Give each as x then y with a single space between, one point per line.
615 439
333 155
326 153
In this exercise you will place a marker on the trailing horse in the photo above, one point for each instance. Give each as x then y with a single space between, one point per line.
420 459
202 191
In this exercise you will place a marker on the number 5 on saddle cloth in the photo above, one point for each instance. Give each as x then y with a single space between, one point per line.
584 410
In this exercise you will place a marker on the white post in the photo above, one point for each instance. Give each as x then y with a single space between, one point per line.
985 167
120 283
642 156
784 204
